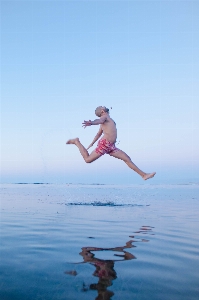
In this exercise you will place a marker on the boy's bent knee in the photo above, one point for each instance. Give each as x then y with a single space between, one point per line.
91 158
87 160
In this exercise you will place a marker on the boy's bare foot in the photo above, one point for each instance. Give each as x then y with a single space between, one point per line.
72 141
148 175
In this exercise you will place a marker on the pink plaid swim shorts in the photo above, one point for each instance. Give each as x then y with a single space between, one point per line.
105 147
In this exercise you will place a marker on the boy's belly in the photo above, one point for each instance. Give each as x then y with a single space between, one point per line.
111 139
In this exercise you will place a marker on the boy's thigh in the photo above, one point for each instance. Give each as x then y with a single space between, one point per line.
93 156
120 155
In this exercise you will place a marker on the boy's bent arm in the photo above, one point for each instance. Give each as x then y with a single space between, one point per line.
95 122
98 121
96 138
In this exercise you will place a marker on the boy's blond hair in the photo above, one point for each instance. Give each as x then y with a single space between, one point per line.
99 109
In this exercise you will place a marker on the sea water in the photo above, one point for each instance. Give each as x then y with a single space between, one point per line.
99 242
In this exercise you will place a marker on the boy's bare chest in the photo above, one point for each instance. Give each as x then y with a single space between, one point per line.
108 126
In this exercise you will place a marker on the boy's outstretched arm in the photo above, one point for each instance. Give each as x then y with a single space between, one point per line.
96 138
95 122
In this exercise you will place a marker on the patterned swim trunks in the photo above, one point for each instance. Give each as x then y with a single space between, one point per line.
105 147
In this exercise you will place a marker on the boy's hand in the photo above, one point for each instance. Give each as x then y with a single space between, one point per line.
87 123
89 146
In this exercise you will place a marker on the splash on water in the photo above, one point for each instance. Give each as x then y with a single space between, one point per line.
99 203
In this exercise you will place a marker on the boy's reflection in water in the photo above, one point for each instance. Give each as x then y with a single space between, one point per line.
104 269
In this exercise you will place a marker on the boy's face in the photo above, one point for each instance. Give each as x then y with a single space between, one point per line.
104 109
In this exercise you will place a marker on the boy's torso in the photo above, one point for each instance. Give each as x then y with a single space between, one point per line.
109 130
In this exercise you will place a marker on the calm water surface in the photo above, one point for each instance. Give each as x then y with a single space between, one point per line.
99 242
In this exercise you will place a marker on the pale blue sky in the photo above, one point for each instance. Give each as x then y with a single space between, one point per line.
62 59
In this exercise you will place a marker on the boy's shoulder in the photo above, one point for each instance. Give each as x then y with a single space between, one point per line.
103 118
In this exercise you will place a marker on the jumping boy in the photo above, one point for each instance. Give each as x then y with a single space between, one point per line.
106 145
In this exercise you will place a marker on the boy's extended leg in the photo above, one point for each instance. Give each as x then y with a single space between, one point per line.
88 158
123 156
